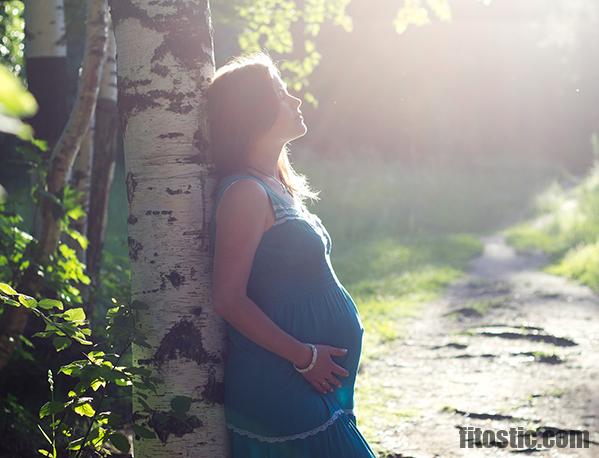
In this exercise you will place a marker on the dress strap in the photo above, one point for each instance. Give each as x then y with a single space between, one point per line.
278 205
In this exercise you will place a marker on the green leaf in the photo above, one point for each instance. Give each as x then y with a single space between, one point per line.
80 337
15 100
85 410
7 289
143 432
76 444
60 343
27 301
43 452
97 383
181 404
75 315
50 408
49 304
120 441
16 127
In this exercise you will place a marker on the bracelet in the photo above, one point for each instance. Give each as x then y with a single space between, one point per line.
312 363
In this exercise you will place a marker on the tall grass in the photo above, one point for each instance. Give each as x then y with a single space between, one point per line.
363 196
567 228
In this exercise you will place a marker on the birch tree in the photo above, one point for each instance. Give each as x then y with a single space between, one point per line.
165 59
105 147
46 65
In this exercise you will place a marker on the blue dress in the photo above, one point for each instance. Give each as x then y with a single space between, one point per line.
271 410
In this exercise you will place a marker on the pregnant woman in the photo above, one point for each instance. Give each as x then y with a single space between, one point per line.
294 335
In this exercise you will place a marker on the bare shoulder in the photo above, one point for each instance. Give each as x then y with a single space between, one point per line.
242 199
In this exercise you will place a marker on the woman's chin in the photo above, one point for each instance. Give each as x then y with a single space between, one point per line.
299 133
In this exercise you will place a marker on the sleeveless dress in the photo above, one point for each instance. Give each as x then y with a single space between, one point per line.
271 410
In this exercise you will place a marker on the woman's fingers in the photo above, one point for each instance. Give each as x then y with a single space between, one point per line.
336 351
318 387
339 370
333 381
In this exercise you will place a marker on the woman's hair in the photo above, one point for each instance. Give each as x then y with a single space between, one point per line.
242 106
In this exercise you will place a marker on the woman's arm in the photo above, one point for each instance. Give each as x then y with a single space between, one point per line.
241 220
244 209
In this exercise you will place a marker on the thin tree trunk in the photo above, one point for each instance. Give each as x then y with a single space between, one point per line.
46 70
165 58
13 320
105 147
46 66
80 179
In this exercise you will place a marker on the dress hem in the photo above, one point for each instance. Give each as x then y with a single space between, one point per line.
303 435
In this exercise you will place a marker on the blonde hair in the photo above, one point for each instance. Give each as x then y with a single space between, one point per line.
243 105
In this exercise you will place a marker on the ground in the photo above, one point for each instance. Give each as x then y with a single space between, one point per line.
508 346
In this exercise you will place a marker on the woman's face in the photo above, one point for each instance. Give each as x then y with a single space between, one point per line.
290 122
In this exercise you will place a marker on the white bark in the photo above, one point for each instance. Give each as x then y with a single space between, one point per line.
44 28
108 88
165 57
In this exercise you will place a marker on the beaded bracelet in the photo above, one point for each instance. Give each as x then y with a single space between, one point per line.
312 363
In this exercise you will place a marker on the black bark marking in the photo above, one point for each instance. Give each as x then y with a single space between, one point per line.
174 192
171 219
166 423
197 311
132 219
160 70
134 248
171 135
214 391
176 279
124 9
159 212
131 184
183 340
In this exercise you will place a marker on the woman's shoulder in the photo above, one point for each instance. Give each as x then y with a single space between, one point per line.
246 186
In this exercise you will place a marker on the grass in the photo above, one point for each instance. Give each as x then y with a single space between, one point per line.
390 278
566 228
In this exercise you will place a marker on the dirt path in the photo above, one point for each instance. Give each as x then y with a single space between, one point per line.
508 347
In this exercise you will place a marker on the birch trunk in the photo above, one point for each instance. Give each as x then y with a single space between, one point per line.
80 179
165 58
13 320
105 148
46 66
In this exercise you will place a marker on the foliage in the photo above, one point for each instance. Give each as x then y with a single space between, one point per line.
84 415
12 33
15 103
270 24
566 228
417 12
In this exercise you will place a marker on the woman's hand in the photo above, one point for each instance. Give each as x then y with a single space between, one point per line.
321 376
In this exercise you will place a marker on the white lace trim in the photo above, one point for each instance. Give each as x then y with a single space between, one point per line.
303 435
